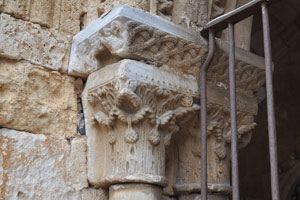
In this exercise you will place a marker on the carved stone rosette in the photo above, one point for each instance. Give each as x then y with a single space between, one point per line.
131 112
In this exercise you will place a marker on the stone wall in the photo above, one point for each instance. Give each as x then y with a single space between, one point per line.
42 153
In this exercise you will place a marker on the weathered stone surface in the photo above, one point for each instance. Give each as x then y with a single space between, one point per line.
37 100
63 15
34 166
198 197
77 165
130 119
135 192
67 15
168 198
140 101
96 8
28 41
94 194
17 8
191 13
130 33
249 69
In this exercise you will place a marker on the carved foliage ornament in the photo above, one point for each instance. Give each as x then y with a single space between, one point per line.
131 102
219 126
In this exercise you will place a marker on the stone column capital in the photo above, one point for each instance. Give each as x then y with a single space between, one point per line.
131 113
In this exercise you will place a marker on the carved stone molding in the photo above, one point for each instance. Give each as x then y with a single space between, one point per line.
249 69
131 33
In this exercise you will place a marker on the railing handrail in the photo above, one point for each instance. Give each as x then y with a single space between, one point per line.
220 23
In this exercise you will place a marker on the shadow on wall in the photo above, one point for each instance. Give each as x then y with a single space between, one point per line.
254 159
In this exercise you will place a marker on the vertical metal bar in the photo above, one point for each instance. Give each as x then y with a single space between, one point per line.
234 137
204 114
270 104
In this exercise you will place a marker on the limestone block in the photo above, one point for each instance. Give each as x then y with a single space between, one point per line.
37 100
97 7
35 166
135 192
63 15
109 4
198 197
41 11
191 13
126 32
94 194
28 41
69 12
77 163
17 8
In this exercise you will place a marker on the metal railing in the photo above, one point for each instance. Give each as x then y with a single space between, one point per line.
227 21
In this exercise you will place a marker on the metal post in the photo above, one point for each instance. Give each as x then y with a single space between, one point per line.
270 104
204 114
234 137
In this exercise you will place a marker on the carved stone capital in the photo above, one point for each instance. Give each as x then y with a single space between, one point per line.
131 111
188 146
131 33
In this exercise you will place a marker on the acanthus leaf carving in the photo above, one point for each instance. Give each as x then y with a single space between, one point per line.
219 126
103 119
246 124
132 101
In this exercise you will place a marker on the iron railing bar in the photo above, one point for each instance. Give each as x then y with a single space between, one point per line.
270 104
203 100
212 27
235 16
233 120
